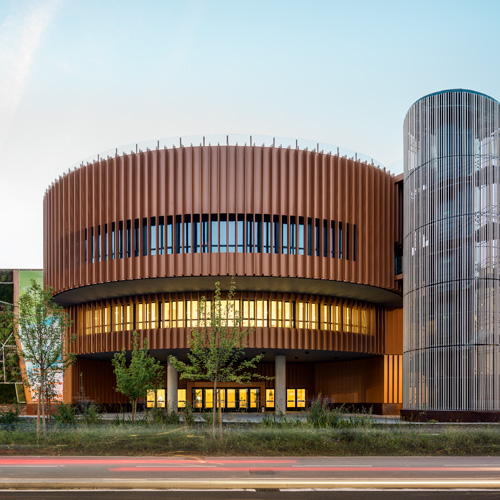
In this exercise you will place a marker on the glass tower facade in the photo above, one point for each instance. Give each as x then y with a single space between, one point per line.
451 253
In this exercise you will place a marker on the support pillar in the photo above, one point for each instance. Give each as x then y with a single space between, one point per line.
280 384
172 384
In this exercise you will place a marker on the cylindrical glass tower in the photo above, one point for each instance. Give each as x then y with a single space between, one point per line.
452 253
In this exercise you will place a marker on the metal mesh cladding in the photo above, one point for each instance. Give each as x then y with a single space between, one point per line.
451 253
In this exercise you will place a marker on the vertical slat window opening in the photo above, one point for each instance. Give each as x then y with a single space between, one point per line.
267 234
145 237
332 239
113 251
347 241
120 239
187 234
325 238
293 235
204 233
301 236
136 237
170 235
316 237
129 238
223 233
309 236
284 234
98 243
258 233
178 234
231 233
86 246
249 238
105 242
92 245
276 234
196 233
241 233
340 240
214 233
161 235
354 242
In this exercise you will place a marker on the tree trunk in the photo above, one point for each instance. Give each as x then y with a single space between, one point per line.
214 408
38 413
134 409
42 397
220 413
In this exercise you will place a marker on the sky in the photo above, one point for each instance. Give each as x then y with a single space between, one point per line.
78 77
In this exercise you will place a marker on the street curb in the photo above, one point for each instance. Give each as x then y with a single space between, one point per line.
275 484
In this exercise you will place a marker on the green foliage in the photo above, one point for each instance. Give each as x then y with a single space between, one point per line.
187 414
143 373
42 327
7 394
321 416
10 417
91 414
217 346
280 420
65 414
164 416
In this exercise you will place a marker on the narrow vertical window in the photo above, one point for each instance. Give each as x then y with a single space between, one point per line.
105 242
249 233
231 233
241 233
332 239
214 234
161 235
86 245
98 243
120 239
196 233
92 245
129 238
145 236
309 236
178 234
187 234
347 241
223 233
316 237
301 236
276 234
284 234
136 238
354 242
170 235
113 241
258 233
267 234
340 240
153 235
293 235
325 238
204 233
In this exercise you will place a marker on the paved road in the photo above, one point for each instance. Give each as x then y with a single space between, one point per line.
262 474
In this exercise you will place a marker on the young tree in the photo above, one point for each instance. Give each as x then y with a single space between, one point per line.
217 347
42 330
143 373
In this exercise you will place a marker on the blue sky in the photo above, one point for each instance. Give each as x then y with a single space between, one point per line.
80 76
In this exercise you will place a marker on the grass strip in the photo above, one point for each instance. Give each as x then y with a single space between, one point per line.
161 440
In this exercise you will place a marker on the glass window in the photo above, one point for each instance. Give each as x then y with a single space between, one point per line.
178 234
267 234
316 237
301 398
170 235
325 238
105 242
223 233
261 313
347 241
86 245
136 237
284 234
269 398
293 235
332 239
187 234
340 240
145 237
309 236
231 398
161 234
258 234
120 239
254 398
181 398
241 233
249 237
301 236
232 233
214 236
204 233
287 315
113 227
243 398
209 398
151 398
92 245
276 234
354 242
290 398
98 243
248 313
196 234
166 316
197 398
129 238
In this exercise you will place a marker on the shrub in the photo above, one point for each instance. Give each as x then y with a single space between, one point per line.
91 414
10 417
187 414
65 414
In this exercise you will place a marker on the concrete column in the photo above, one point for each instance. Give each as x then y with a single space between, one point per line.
172 385
280 384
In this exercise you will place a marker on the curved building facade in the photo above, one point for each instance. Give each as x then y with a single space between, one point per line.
132 241
451 249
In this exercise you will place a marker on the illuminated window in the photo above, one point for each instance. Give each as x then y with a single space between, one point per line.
231 398
290 398
269 398
197 398
209 398
254 398
243 398
301 398
181 398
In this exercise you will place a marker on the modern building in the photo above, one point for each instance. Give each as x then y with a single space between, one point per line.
313 239
451 256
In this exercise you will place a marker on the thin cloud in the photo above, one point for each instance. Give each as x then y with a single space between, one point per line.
20 36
